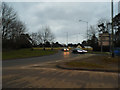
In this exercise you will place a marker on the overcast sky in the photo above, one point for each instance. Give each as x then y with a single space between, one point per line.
63 17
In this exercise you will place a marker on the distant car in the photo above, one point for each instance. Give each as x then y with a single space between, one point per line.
78 50
65 49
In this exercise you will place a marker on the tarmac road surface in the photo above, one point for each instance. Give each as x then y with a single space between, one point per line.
26 61
54 78
19 74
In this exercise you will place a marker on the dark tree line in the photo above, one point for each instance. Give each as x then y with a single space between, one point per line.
116 23
14 34
102 27
93 33
13 30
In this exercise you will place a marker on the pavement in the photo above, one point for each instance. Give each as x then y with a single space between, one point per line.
47 75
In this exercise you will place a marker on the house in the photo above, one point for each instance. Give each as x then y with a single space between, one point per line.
89 48
79 46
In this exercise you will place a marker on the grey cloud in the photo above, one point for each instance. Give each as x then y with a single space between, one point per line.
62 17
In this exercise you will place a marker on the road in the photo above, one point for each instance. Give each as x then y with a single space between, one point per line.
21 73
26 61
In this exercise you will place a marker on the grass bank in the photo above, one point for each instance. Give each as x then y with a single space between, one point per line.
96 52
55 48
25 53
84 64
95 62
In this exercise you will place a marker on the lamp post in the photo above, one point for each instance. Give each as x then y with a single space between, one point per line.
112 28
87 29
66 39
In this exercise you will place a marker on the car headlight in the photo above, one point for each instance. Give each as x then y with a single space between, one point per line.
67 49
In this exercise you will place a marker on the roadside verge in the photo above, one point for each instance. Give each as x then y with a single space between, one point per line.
62 66
93 63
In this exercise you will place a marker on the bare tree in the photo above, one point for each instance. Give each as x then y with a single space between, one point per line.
0 27
34 37
12 27
92 31
8 17
1 21
45 35
103 21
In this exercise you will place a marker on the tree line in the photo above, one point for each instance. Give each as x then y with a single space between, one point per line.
15 36
14 31
103 27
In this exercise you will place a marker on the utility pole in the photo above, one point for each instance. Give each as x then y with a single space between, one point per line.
77 38
102 42
67 38
87 36
87 30
112 28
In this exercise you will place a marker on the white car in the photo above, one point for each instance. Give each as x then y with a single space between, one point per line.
78 50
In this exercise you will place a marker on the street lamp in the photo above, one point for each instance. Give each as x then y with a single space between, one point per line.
87 26
66 39
112 28
87 29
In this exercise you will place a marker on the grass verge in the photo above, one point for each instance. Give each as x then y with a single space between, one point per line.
95 62
95 52
37 48
25 53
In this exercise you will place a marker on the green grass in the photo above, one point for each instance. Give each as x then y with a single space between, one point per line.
96 62
25 53
48 48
